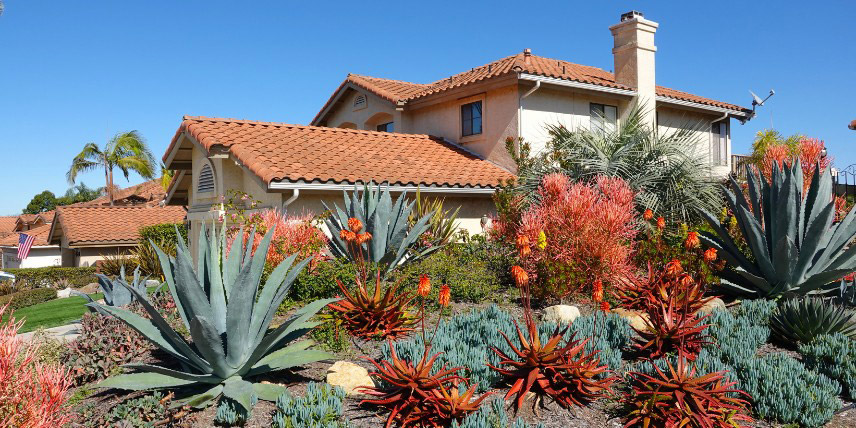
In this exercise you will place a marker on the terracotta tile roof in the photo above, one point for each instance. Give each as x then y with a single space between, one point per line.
41 233
106 225
395 90
852 124
295 153
150 191
7 225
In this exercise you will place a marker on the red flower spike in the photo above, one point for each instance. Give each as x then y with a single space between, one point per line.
381 315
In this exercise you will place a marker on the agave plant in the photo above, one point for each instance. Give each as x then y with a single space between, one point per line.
680 397
560 369
228 318
796 248
408 390
393 237
801 320
117 292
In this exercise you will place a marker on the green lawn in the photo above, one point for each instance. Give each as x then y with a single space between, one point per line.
55 313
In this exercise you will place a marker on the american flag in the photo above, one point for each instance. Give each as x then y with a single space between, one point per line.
25 242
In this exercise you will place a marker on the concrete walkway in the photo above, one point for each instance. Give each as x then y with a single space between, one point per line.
63 333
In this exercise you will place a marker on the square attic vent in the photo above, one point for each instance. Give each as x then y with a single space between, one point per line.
360 102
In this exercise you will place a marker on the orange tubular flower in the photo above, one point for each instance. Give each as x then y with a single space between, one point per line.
604 306
347 235
597 291
520 276
661 223
362 238
523 245
445 295
692 240
355 225
710 255
424 287
674 267
648 215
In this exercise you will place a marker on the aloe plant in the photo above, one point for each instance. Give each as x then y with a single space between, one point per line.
117 291
393 237
801 320
796 249
218 299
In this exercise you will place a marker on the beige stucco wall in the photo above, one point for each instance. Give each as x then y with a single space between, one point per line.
672 119
554 106
88 256
376 111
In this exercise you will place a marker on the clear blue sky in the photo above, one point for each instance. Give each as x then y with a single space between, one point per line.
74 72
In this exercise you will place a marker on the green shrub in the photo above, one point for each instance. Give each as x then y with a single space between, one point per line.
321 407
783 390
24 298
492 416
164 232
330 337
833 355
469 276
50 276
320 282
143 412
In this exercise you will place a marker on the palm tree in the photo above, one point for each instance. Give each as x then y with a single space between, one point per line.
126 151
668 172
166 176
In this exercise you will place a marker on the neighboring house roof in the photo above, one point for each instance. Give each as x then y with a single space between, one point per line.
31 220
7 225
397 91
301 154
853 124
148 191
117 225
41 233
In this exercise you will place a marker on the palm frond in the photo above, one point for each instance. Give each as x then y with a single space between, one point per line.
88 159
668 172
129 152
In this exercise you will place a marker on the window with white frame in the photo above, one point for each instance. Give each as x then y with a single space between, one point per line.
719 144
604 118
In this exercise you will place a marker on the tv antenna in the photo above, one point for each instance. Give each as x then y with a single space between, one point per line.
757 101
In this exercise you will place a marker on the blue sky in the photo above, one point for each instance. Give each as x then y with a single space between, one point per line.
74 72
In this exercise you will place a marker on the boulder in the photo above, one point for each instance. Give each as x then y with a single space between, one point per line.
64 293
637 319
349 376
561 314
712 305
90 288
152 283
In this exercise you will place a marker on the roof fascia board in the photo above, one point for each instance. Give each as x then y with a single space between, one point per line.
171 156
172 190
575 84
462 91
281 185
102 244
668 100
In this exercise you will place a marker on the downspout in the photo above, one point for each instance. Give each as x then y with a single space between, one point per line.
294 194
520 116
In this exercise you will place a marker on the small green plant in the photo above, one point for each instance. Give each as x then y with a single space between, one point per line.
219 301
492 416
331 337
833 355
144 412
801 320
49 276
321 407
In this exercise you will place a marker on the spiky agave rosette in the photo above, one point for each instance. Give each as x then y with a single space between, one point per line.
228 320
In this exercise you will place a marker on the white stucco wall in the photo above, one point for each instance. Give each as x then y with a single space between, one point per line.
89 256
38 257
672 119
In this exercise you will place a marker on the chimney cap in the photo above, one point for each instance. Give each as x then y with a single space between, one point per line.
527 52
633 14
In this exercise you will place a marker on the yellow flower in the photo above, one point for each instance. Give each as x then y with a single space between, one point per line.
542 240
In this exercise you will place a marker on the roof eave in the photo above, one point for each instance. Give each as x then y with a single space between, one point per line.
333 186
741 114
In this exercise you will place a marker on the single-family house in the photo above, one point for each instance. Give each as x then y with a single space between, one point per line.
446 137
42 253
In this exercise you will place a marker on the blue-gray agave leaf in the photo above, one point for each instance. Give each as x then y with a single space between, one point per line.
228 318
796 247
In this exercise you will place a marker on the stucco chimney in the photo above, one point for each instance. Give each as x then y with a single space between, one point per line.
633 53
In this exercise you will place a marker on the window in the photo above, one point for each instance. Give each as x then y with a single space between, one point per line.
604 118
719 143
206 180
386 127
471 119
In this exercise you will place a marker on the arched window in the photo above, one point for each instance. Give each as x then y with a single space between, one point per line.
206 179
347 125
